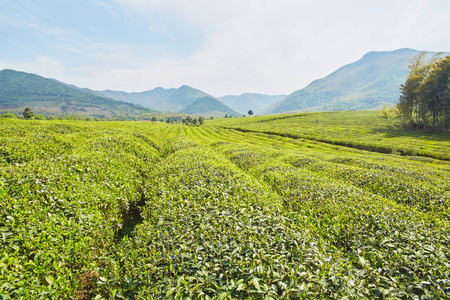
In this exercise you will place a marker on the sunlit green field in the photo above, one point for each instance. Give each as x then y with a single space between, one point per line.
134 210
368 130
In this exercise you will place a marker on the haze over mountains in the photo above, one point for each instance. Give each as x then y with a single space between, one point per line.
250 101
146 98
184 99
177 100
368 83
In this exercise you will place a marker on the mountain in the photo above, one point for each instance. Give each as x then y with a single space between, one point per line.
184 100
147 98
250 101
51 97
208 106
180 99
368 83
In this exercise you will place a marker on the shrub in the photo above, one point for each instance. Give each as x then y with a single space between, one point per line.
9 116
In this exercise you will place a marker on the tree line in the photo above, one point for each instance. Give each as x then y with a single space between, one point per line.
424 101
28 114
192 121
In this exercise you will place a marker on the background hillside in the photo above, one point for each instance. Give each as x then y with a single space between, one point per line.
368 83
185 99
256 102
50 97
208 106
147 98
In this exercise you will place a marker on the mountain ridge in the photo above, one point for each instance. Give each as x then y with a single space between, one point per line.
51 97
367 83
179 99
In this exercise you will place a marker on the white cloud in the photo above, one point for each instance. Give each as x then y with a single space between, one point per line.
247 46
270 47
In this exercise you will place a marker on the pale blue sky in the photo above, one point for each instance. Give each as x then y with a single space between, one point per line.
221 47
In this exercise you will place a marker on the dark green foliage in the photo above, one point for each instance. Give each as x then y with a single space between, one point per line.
193 121
9 116
425 96
28 113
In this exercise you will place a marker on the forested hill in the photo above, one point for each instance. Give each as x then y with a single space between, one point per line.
368 83
51 97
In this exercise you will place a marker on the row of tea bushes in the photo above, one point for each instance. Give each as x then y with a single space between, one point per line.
211 231
399 251
63 191
365 130
133 210
428 194
424 186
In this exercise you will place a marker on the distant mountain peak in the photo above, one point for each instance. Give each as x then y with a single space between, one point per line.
186 87
184 99
368 83
379 54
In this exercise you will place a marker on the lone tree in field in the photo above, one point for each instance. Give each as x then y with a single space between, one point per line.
28 113
250 112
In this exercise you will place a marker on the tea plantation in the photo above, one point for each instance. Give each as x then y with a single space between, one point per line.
306 206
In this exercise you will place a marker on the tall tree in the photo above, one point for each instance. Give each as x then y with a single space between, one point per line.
408 101
434 91
425 95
